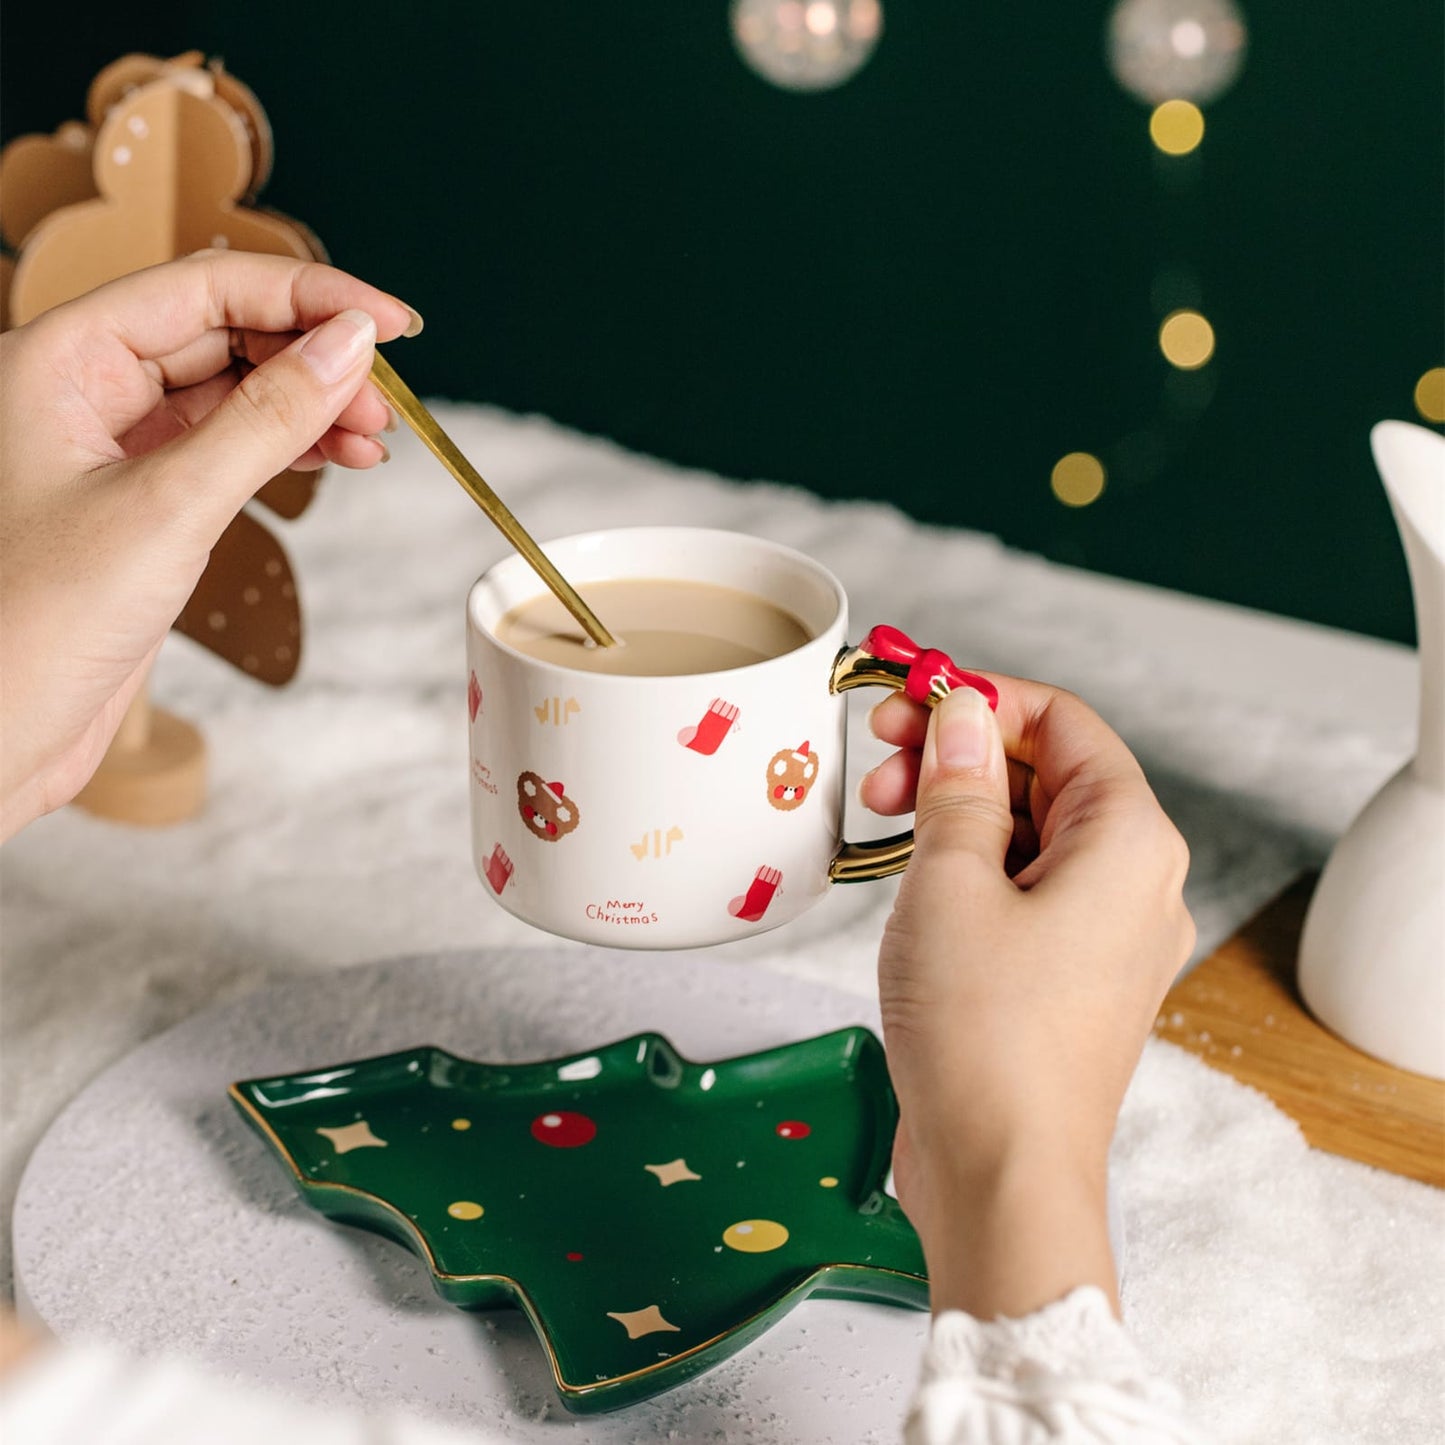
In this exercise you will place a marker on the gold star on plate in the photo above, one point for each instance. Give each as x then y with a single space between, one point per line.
641 1322
673 1173
353 1136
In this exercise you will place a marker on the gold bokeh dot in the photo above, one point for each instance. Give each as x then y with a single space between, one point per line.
465 1209
1078 479
461 1123
1430 394
1187 340
1176 127
828 1182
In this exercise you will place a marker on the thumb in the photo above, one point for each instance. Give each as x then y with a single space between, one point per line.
963 790
277 412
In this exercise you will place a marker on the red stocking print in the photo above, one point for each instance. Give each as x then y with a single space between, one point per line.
717 722
498 869
751 906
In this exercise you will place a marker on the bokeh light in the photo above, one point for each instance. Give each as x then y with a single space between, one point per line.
1078 479
1176 127
1186 339
1176 49
1430 394
806 44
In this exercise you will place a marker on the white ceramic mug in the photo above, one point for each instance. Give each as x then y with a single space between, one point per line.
673 812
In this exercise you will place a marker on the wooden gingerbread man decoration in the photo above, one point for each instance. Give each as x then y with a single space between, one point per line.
174 154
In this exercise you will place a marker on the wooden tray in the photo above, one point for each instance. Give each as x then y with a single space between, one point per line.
1239 1010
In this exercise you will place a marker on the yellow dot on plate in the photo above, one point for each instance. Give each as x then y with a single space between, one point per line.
755 1236
1186 339
1176 127
462 1124
1430 394
1077 479
828 1182
465 1209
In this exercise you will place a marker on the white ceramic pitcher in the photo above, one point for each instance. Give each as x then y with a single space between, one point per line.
1372 957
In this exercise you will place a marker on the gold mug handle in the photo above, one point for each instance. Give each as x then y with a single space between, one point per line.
890 658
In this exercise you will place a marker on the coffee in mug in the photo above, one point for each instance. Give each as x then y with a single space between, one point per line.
665 628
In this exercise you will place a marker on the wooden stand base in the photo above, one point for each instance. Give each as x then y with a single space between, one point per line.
1240 1011
154 774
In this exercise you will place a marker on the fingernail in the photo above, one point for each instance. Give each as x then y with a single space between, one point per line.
873 716
862 784
415 325
385 450
964 729
335 346
392 420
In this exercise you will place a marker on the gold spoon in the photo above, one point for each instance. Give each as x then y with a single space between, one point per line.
405 403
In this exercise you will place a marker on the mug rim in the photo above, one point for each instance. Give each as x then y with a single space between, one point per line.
514 561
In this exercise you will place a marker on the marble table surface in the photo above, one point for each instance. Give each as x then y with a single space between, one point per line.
336 830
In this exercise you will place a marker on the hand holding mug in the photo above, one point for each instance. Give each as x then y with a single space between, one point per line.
1035 933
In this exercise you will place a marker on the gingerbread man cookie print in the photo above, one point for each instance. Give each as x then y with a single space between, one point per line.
791 775
545 807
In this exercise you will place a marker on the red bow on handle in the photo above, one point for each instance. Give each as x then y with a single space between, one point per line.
927 667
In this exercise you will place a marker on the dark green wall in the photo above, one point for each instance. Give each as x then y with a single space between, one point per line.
925 286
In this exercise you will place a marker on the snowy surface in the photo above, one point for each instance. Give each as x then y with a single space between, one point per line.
1260 1272
150 1215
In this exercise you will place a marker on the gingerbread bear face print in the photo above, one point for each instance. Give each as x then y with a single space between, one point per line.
545 807
791 775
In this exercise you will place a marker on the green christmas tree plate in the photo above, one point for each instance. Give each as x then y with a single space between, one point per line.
650 1215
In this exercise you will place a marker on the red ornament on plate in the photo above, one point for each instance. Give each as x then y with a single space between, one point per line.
563 1129
793 1129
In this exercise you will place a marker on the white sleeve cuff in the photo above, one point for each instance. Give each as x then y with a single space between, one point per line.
1067 1373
